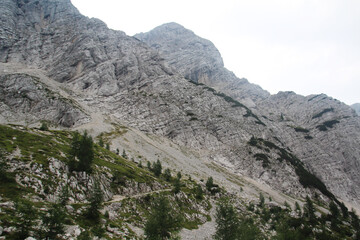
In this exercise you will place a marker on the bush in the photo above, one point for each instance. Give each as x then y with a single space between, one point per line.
44 126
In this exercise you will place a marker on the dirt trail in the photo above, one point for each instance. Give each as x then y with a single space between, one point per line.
119 198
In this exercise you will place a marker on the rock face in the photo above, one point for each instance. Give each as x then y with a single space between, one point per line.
319 129
356 107
274 139
24 99
198 60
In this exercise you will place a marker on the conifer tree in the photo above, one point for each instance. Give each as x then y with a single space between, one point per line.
227 221
209 183
167 174
177 185
179 175
156 168
124 155
199 194
309 211
163 221
261 200
53 221
96 199
81 152
26 218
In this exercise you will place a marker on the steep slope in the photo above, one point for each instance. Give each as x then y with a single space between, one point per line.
198 60
36 177
322 132
124 81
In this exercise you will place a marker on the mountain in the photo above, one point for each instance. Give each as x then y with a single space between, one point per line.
198 60
163 95
307 125
356 107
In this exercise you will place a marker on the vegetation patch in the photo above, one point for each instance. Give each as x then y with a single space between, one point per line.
327 124
264 158
322 112
306 178
300 129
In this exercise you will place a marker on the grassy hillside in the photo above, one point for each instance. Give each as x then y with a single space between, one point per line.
116 198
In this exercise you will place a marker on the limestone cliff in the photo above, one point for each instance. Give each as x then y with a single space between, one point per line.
305 124
250 132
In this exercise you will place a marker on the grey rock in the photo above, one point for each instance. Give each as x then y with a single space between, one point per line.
198 60
331 155
356 107
142 87
24 97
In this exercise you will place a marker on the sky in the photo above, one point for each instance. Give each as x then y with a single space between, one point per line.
305 46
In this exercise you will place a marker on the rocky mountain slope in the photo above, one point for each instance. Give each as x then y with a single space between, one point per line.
356 107
307 125
95 78
198 60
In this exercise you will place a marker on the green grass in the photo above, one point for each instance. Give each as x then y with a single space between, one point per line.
119 165
35 146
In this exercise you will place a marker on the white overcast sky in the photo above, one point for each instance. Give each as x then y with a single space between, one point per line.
305 46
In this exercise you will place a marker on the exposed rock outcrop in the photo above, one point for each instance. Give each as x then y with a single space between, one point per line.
25 100
126 80
356 107
198 60
304 124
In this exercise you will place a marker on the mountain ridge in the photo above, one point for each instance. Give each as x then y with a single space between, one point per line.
127 82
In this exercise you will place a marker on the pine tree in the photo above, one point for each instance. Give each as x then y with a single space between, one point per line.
298 209
199 194
124 155
309 211
96 199
44 126
167 174
4 175
177 185
101 142
261 200
53 221
209 183
156 168
227 221
81 152
64 195
26 218
179 175
163 221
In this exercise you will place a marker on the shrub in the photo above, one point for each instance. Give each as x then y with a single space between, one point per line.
44 126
